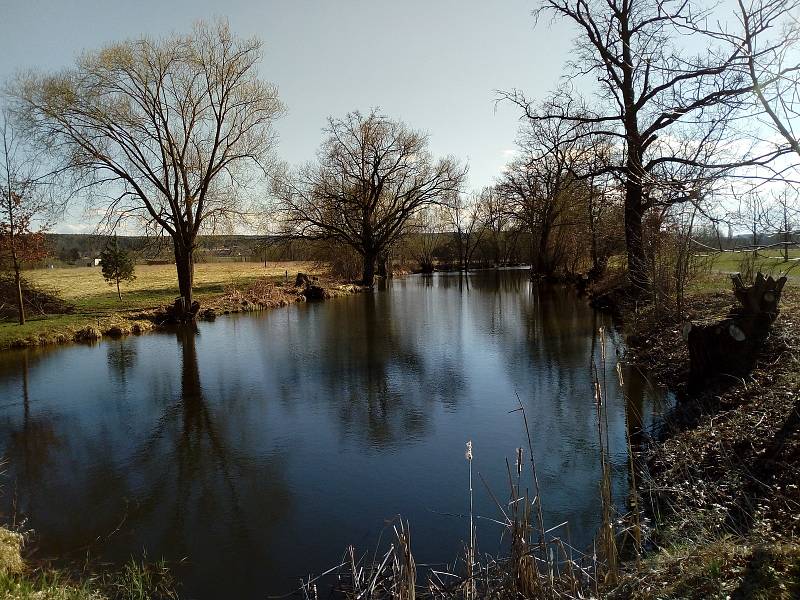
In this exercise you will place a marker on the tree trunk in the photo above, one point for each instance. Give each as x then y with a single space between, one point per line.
368 272
119 294
542 263
383 265
634 240
18 284
185 306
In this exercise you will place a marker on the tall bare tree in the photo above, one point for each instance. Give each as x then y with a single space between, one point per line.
543 181
664 107
372 175
172 131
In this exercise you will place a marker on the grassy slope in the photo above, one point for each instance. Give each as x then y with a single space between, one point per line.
155 285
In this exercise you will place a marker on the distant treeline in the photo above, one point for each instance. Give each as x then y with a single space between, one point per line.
423 251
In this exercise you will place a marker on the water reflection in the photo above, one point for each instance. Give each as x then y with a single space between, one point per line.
257 448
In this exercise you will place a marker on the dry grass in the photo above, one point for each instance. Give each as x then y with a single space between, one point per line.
10 552
725 568
97 306
155 284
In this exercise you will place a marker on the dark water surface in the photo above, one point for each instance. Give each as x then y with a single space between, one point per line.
260 448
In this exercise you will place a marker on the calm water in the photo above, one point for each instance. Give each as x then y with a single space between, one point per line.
258 449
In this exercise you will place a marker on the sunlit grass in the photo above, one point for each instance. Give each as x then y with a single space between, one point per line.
96 302
154 284
770 261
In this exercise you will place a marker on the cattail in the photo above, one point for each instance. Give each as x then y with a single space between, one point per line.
468 453
519 461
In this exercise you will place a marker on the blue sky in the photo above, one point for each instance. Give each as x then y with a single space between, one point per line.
434 64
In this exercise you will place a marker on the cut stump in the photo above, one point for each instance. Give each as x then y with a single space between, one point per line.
730 345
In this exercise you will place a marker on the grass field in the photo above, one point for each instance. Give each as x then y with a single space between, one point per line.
155 285
769 262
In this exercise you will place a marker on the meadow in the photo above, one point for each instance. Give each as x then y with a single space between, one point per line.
766 261
96 301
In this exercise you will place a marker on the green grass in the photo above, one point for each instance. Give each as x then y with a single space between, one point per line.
96 302
136 581
768 261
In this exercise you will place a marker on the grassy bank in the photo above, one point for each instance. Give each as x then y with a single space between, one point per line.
22 581
721 484
225 287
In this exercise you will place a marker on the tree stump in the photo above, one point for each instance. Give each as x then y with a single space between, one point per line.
179 313
302 280
730 345
309 290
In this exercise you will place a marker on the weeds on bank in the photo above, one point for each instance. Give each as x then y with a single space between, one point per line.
135 581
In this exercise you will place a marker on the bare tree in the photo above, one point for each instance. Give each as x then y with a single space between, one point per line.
27 208
663 107
785 215
753 214
424 236
541 184
770 40
497 218
463 215
372 175
171 130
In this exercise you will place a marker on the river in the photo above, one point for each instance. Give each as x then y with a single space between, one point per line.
251 453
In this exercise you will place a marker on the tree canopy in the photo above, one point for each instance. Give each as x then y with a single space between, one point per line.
168 131
371 176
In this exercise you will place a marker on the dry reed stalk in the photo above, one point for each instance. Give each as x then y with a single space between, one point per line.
405 568
469 590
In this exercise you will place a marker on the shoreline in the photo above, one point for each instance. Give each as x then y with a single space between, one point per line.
259 295
719 482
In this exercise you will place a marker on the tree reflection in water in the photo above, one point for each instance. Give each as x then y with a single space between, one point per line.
261 446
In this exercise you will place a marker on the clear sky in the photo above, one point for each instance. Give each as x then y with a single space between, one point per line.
433 63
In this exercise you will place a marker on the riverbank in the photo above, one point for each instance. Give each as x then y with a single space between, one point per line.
721 483
688 552
221 288
21 580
